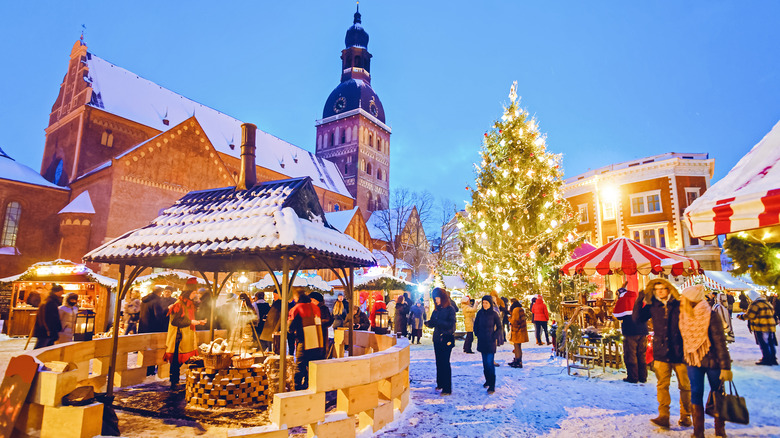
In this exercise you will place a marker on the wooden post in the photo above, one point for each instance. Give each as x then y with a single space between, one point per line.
350 293
283 341
214 293
115 331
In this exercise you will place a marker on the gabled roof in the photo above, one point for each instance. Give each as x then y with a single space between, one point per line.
125 94
82 204
227 229
340 219
15 171
378 222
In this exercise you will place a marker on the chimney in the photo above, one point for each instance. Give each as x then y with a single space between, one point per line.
248 177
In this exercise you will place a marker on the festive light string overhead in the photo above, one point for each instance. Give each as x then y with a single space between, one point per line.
517 229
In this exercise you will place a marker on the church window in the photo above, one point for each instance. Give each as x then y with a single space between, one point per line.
343 137
13 212
346 169
332 139
362 165
379 204
368 168
370 201
371 140
379 144
379 174
336 207
357 61
58 172
107 139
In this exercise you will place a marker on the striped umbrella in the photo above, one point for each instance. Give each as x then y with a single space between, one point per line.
626 256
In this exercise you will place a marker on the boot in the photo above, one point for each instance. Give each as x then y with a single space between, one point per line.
685 421
698 421
661 421
720 427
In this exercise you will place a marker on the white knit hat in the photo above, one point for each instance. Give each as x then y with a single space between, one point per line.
694 293
753 294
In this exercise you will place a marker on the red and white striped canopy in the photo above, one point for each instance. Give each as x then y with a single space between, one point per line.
746 199
703 279
626 256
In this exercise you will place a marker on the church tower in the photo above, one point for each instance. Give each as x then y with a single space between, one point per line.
352 132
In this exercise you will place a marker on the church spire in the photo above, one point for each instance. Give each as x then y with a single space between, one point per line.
357 14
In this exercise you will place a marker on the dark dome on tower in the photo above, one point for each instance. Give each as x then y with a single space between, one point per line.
352 94
356 35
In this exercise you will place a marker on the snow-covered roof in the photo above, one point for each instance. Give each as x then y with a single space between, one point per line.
340 219
82 204
214 228
301 280
378 222
372 275
124 93
451 282
168 273
14 171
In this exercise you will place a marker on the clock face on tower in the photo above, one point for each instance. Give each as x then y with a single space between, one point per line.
373 108
340 104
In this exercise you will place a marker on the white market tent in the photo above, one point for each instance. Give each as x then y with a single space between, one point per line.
300 280
721 280
746 199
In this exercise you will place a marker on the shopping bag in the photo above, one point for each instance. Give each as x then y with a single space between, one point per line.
729 406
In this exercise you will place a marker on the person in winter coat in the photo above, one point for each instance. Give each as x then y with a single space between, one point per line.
487 325
261 308
743 302
705 352
272 325
634 336
181 342
761 321
518 332
505 311
442 321
497 303
360 320
306 330
660 303
47 323
152 317
401 317
541 316
340 312
131 309
469 312
721 308
68 312
326 320
417 319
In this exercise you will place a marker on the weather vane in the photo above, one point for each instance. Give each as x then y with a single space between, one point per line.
83 29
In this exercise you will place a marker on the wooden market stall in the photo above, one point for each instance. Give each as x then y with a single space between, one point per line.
32 287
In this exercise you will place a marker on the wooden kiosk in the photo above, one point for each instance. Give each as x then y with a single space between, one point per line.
93 289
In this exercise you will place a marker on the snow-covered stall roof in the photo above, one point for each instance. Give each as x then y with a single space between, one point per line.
14 171
124 93
372 274
61 270
451 282
746 199
384 258
81 204
168 273
301 280
228 230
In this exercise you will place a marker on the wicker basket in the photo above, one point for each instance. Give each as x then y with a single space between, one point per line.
217 361
246 362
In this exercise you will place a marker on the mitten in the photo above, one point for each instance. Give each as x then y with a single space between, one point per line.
726 375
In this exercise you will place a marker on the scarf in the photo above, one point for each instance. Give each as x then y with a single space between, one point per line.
694 328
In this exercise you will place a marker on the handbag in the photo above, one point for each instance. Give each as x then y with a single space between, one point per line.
731 407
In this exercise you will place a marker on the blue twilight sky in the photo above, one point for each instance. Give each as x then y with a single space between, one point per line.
609 81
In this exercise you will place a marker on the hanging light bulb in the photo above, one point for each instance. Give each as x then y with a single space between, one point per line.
554 223
482 225
505 225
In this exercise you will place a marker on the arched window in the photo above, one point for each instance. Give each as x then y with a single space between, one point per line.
379 144
13 211
371 140
332 139
107 139
368 168
362 165
346 169
343 137
370 201
357 61
379 204
58 172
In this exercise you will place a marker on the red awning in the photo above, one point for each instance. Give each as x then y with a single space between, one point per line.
746 199
625 256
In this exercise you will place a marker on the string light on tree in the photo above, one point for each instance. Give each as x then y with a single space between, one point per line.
515 232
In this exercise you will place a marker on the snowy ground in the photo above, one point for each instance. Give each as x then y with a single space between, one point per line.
542 400
538 400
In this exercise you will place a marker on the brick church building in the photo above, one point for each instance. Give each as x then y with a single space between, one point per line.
120 148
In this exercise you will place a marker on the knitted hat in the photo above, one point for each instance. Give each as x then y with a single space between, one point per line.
192 284
317 296
753 295
694 293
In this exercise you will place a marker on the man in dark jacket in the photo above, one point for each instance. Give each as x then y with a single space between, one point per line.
152 316
661 303
634 337
47 323
305 329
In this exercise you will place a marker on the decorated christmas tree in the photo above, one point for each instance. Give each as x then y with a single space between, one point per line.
518 230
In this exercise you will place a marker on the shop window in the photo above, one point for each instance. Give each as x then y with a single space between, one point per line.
13 211
583 213
651 236
107 139
646 203
610 238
